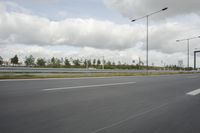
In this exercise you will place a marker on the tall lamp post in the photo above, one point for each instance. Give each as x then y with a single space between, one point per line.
147 34
188 48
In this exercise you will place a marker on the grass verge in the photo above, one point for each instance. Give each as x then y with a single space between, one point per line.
78 75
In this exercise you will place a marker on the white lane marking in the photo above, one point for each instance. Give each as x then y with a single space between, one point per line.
130 118
193 77
88 86
194 93
7 80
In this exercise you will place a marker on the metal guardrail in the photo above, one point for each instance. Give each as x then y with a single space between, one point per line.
72 70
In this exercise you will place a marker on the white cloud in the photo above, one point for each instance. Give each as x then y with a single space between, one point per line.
29 29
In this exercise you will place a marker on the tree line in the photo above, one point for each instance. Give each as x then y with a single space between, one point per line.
54 62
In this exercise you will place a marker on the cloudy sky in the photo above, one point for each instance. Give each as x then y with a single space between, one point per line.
97 28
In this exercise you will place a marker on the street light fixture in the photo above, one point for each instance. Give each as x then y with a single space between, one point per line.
147 33
188 48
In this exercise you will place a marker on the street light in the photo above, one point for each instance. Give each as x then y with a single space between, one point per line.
197 50
147 33
188 48
103 63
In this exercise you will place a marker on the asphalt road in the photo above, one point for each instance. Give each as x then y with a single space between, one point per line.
154 104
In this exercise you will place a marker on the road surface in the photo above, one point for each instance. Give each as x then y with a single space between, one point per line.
153 104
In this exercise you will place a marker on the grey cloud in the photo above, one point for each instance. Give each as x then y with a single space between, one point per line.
135 8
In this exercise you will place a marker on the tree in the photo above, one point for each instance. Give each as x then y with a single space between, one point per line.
113 63
1 60
85 62
89 62
67 62
53 60
41 62
94 62
30 61
76 62
58 62
109 63
14 60
98 62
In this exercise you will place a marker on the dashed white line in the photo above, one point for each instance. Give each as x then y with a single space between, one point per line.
88 86
130 118
193 77
194 93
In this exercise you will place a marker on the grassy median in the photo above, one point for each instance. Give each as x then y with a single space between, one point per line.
78 75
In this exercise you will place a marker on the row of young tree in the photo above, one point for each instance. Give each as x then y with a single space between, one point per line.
55 62
80 63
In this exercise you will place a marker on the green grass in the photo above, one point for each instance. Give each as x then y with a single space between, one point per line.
77 75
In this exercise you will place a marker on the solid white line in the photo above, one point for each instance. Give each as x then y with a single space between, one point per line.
88 86
194 93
